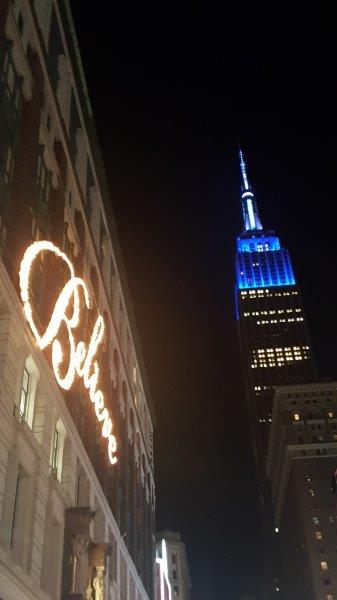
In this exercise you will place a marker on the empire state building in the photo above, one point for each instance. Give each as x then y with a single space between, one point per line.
274 338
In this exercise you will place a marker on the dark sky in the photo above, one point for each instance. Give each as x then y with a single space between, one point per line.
174 89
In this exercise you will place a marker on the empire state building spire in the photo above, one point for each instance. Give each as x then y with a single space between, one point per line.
249 207
273 331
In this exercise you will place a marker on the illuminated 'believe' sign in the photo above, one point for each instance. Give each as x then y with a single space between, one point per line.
81 357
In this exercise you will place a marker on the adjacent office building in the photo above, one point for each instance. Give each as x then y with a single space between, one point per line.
293 417
177 565
76 420
302 467
162 587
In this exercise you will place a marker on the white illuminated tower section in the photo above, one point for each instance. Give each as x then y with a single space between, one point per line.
250 212
273 332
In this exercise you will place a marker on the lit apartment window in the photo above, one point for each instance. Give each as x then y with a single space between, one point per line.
324 565
331 415
315 520
296 417
329 597
318 535
28 390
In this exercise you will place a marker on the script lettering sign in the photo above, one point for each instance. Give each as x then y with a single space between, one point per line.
81 359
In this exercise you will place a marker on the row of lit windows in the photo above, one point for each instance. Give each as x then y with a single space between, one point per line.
272 321
287 350
269 357
266 292
261 387
298 418
271 312
316 519
279 349
280 363
279 355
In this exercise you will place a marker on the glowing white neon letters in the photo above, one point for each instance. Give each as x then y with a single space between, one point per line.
81 358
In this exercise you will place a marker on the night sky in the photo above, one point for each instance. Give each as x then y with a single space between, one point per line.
174 89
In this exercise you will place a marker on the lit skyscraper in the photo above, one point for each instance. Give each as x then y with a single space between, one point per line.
273 332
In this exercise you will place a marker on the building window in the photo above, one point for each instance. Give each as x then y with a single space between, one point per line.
55 450
28 390
318 535
7 165
329 597
20 24
175 591
56 459
20 517
324 565
315 520
24 400
67 244
174 574
11 80
43 178
52 551
174 559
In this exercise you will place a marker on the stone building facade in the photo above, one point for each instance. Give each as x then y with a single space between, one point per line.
72 525
179 577
302 466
